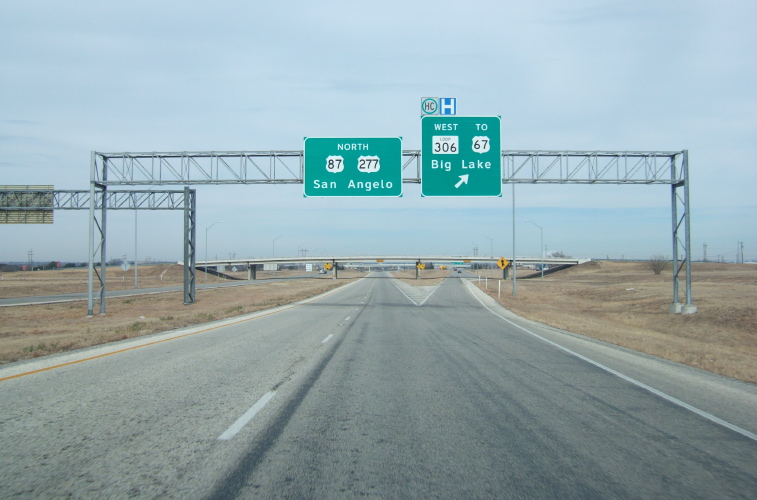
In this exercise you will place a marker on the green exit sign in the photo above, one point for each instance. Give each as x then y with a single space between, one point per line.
346 167
461 156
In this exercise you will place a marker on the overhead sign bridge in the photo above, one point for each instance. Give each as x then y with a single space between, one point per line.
111 170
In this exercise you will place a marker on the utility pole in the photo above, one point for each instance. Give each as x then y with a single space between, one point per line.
705 252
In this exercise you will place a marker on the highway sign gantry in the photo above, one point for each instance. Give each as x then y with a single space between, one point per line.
347 167
461 156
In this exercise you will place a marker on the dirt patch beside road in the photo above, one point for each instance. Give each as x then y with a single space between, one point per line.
625 303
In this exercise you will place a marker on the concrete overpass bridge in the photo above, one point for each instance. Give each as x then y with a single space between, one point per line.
380 260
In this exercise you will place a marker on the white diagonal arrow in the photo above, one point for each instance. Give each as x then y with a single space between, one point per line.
463 180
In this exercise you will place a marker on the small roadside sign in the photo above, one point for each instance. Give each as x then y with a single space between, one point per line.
327 266
502 263
421 265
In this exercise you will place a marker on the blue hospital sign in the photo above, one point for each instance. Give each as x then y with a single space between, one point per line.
447 106
438 106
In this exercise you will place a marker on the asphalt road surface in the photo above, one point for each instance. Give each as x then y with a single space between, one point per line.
373 389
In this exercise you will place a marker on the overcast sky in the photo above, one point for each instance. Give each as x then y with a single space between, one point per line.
246 75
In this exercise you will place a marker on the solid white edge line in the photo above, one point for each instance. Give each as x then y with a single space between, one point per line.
436 287
430 294
327 338
635 382
402 292
248 415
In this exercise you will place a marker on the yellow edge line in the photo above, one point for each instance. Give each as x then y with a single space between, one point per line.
19 375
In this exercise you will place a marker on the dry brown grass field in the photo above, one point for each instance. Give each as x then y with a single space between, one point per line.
625 303
28 284
38 330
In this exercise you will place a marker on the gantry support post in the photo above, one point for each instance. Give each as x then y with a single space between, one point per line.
97 236
689 308
682 243
91 247
190 238
104 233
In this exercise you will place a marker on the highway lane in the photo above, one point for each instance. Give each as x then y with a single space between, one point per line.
372 394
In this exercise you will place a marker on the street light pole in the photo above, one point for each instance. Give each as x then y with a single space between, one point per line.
273 245
300 252
205 278
491 246
515 260
541 247
135 249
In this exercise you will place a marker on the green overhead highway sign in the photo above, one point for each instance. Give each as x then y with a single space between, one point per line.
461 156
345 167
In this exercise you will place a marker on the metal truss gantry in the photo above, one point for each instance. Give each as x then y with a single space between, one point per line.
286 167
185 200
35 199
519 167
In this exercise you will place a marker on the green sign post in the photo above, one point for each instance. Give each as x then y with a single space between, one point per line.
345 167
461 156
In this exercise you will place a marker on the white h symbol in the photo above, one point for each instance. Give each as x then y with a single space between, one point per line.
447 106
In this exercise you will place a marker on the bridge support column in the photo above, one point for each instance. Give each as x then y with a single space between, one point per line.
252 272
